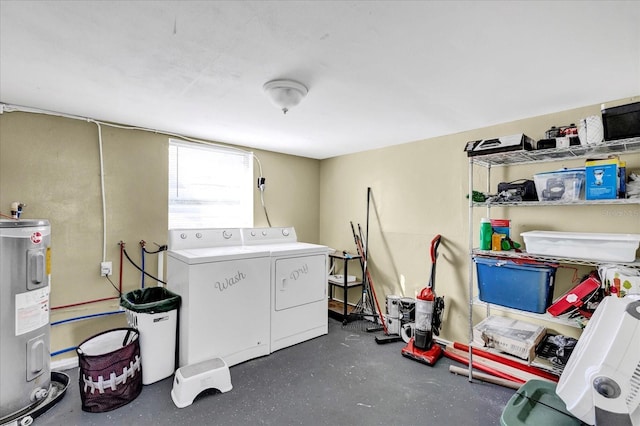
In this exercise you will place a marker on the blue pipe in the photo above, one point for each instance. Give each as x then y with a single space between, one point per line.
86 317
142 285
63 351
73 348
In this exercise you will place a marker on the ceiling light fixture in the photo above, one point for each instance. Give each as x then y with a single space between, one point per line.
285 93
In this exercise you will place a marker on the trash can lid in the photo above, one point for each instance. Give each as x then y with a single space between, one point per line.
150 300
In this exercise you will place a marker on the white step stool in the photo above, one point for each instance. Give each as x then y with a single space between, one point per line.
192 379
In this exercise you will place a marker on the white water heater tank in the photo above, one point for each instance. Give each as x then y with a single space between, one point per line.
25 275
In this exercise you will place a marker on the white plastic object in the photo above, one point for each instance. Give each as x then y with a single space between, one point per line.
591 130
192 379
607 352
583 245
157 343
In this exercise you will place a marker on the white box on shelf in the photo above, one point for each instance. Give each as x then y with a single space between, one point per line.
583 245
518 338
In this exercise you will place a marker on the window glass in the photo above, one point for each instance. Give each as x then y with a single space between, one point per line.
209 186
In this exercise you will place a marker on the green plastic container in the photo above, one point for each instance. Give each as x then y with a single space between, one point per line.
536 403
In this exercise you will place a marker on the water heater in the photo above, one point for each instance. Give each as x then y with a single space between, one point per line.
25 275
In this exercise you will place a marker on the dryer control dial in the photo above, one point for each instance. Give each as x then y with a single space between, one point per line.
285 232
226 234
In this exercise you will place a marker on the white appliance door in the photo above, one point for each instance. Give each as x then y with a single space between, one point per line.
228 311
299 280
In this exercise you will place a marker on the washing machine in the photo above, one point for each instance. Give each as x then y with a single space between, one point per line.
225 292
298 284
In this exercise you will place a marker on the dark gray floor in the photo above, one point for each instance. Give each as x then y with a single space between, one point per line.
343 378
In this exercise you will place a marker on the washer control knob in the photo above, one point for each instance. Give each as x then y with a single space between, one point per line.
183 236
285 232
253 233
264 233
198 235
226 234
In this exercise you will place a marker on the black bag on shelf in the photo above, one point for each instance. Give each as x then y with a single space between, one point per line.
525 188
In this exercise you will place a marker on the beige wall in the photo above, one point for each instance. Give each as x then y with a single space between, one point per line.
52 165
418 191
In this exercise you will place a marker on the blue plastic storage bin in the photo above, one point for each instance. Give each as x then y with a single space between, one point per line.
514 284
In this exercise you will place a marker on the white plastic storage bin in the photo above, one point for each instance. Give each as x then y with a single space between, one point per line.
583 245
560 185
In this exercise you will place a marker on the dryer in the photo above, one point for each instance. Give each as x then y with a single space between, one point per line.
225 291
298 285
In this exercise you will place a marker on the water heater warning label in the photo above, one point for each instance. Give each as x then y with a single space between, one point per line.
32 310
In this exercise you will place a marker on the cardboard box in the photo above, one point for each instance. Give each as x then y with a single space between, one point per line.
508 335
602 179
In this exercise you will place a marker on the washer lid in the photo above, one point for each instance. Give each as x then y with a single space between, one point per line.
216 254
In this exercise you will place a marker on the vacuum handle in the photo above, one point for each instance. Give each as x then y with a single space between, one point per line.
434 247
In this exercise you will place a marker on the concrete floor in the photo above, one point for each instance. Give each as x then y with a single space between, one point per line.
343 378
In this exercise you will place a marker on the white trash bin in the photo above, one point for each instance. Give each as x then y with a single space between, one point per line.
153 311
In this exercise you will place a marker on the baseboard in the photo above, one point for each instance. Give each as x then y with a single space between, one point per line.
65 364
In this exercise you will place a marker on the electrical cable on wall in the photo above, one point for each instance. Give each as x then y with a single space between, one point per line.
104 204
261 183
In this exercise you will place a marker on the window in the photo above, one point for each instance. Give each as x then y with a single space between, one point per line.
209 186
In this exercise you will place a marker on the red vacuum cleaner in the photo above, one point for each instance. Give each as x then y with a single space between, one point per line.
429 308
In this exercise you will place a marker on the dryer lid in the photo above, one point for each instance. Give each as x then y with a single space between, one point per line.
294 249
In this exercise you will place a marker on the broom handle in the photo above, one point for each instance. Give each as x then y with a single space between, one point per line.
367 278
371 285
485 377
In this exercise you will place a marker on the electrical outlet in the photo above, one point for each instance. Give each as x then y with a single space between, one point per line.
105 268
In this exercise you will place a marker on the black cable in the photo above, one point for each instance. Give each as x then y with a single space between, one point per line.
113 285
161 249
140 269
261 182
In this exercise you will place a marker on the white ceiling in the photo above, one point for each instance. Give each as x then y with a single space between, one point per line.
379 73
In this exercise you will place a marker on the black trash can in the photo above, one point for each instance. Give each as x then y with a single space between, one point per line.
153 311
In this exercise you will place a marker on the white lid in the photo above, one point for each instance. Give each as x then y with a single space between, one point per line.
581 235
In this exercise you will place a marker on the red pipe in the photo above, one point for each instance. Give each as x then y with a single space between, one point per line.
509 362
84 303
97 300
